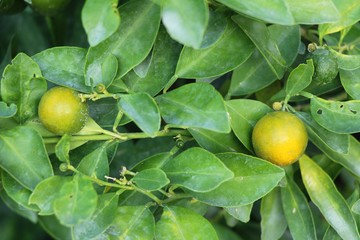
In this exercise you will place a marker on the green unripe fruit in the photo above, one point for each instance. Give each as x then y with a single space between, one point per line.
49 7
325 66
62 111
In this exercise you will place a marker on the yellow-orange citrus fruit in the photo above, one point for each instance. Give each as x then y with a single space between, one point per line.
62 111
279 137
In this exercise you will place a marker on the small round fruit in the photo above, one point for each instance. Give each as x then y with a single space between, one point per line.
279 137
49 7
325 66
61 111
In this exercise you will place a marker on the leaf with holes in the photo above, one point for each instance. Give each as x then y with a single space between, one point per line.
336 116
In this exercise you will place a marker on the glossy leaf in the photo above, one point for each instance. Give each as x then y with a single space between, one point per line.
100 19
46 192
299 78
132 222
7 111
142 109
181 223
327 198
197 170
16 191
337 142
151 179
273 222
186 21
62 149
102 218
287 12
24 157
77 201
260 36
96 163
69 68
130 44
253 179
22 84
255 73
241 213
216 142
336 116
244 113
195 105
350 80
349 14
297 211
199 63
164 56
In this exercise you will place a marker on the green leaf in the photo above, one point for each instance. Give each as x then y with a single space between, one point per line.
225 233
24 157
142 109
299 78
46 192
350 80
216 142
197 170
96 163
100 19
18 208
77 201
155 161
130 44
241 213
186 20
328 199
102 218
195 105
199 63
62 148
16 191
132 222
164 56
260 36
151 179
273 222
7 111
297 211
349 14
69 68
286 12
181 223
346 62
54 228
244 113
255 73
22 84
319 135
336 116
253 179
215 28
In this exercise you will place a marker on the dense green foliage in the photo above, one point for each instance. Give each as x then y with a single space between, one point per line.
174 89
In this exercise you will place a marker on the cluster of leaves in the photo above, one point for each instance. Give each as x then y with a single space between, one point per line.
174 89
